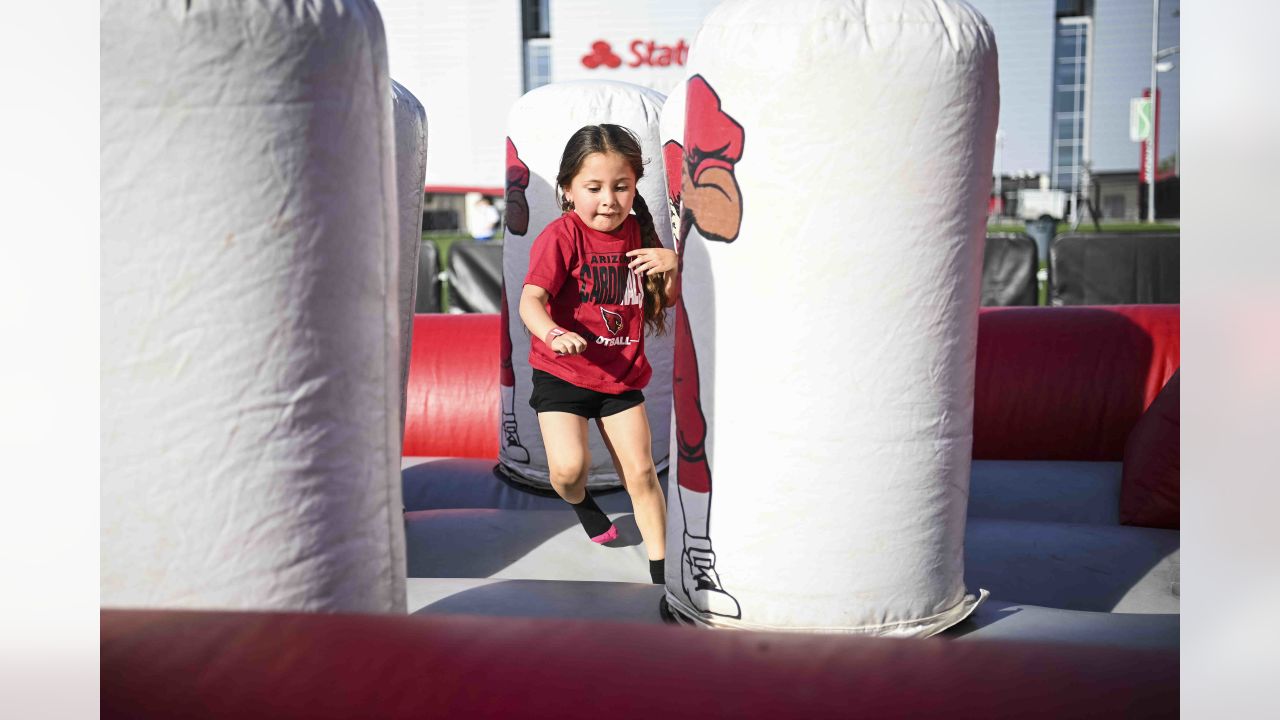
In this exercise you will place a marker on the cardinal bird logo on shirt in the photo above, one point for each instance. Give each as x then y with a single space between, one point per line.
612 320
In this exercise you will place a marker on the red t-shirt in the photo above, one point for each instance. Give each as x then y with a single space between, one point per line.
594 294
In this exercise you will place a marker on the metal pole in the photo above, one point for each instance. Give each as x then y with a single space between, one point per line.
1151 142
999 173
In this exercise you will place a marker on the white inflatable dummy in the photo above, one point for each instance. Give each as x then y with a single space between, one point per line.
411 170
250 335
836 165
539 125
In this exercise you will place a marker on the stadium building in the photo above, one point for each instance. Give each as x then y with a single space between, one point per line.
1069 70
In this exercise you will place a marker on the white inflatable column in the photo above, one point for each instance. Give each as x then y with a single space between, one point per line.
539 125
837 161
411 171
250 335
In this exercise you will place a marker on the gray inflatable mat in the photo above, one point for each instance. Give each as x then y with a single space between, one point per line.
520 544
995 620
452 483
1076 492
587 600
638 602
1046 490
1093 568
1096 568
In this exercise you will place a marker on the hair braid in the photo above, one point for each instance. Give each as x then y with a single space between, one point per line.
655 285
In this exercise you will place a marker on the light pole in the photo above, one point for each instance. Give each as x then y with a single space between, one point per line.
999 173
1151 144
1157 66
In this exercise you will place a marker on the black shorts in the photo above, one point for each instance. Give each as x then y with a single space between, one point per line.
551 394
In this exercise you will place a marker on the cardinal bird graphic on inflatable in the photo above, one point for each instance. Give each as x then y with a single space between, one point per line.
517 183
517 224
705 199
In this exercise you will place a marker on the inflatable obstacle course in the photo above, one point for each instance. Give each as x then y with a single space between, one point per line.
253 376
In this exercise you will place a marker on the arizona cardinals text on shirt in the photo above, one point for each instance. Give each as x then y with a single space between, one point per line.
608 281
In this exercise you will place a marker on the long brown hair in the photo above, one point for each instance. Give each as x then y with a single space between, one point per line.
606 139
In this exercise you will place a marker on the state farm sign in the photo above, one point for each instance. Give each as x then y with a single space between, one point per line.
641 53
646 44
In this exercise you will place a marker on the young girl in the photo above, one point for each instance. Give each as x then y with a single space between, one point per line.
598 278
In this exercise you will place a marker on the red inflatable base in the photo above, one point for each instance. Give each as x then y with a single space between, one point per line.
453 387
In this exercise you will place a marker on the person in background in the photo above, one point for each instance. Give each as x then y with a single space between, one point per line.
483 220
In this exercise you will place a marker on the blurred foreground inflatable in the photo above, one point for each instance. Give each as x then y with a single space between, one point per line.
1005 481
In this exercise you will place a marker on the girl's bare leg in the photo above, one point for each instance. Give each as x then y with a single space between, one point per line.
564 435
626 435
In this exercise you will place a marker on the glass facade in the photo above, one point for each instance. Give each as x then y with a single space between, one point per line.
537 63
1070 101
535 17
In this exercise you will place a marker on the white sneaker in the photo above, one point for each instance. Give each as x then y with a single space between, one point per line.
511 440
701 582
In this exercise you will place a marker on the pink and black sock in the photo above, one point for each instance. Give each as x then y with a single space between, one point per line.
598 525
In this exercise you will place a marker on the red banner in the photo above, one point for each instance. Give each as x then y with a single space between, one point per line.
1143 177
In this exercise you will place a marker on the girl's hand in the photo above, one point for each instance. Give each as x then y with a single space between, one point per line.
647 261
570 343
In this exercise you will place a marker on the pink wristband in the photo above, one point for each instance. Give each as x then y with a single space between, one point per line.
552 334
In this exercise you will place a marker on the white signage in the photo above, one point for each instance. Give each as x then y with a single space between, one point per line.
1139 119
643 43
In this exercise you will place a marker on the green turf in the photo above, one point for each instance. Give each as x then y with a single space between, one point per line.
444 241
